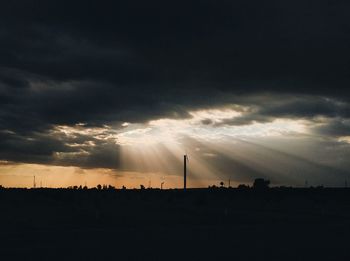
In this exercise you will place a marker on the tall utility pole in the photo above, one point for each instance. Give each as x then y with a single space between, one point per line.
185 171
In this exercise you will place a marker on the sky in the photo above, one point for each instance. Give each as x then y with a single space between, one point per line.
116 92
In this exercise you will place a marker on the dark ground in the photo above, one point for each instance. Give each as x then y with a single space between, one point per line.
201 224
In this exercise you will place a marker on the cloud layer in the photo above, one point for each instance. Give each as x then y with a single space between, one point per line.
92 66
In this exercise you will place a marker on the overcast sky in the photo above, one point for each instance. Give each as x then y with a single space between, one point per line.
247 88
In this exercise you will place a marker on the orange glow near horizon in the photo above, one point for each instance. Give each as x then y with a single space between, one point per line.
21 176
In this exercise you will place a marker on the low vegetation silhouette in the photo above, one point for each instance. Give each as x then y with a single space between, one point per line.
258 222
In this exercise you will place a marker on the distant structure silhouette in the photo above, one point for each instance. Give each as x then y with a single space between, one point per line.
34 183
261 184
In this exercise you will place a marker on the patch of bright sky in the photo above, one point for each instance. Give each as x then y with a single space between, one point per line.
169 130
345 139
202 125
100 133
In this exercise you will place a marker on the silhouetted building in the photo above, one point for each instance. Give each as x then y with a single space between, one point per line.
261 184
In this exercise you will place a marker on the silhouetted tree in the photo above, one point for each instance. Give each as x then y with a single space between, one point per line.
110 187
99 187
142 186
222 184
242 186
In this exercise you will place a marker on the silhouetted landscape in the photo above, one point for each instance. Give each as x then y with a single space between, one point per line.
242 223
174 130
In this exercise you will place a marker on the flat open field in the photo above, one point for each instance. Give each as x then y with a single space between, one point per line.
199 224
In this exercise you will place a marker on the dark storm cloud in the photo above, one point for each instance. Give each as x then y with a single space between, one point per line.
267 109
132 61
60 149
336 127
244 42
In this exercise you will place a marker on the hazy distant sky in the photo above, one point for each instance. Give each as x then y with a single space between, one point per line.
101 92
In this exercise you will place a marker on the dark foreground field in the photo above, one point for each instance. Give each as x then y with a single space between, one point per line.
221 224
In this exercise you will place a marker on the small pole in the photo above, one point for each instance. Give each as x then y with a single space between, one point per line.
185 171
